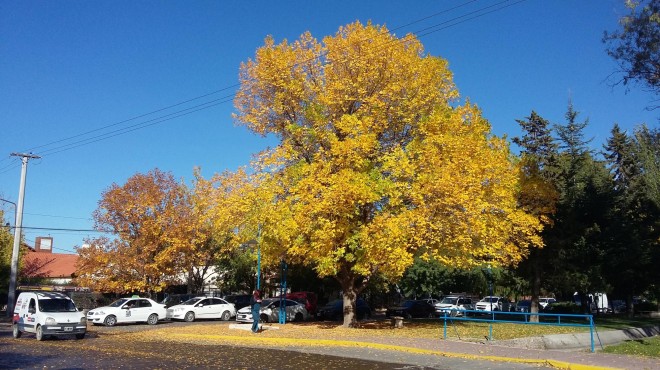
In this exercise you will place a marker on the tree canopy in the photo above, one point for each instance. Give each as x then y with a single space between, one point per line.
151 218
377 160
636 46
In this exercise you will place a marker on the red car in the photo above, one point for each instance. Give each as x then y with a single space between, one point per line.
309 299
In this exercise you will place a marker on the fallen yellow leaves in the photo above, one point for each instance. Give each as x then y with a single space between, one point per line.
323 333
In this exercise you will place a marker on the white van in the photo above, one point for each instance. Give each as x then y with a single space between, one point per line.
597 302
46 314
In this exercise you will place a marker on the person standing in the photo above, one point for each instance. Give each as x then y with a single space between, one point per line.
255 302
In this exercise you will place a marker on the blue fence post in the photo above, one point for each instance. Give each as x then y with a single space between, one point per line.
591 332
445 335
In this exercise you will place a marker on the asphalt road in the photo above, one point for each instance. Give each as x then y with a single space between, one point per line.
106 348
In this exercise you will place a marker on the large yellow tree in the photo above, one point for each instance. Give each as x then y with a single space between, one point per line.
377 161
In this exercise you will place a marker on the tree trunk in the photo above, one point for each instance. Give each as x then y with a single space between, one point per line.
191 277
349 297
536 288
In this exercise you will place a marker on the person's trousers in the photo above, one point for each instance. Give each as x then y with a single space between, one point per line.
255 317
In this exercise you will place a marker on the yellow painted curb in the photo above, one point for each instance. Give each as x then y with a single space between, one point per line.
345 343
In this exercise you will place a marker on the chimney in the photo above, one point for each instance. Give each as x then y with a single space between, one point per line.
43 244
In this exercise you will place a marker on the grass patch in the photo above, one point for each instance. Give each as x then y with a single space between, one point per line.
649 347
622 322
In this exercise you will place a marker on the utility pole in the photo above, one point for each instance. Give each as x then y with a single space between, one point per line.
17 231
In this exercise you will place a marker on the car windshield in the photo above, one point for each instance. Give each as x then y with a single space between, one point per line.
57 305
408 304
490 299
119 302
191 301
268 302
449 300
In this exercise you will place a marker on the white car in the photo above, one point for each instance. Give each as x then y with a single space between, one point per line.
202 308
544 302
452 306
493 303
128 310
47 313
270 311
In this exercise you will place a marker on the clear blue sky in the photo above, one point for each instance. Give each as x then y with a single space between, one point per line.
69 67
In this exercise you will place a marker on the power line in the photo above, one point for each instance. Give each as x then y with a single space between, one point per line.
66 229
55 216
180 113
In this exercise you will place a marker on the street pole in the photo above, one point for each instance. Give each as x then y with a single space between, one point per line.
17 232
259 257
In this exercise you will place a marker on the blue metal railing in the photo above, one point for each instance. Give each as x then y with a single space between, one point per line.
490 317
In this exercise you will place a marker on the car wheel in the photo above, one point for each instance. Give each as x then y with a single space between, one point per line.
152 319
17 333
110 321
263 318
189 317
225 316
453 313
80 336
40 333
299 317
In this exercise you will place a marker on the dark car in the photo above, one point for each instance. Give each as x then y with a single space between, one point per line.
239 300
524 306
335 310
411 308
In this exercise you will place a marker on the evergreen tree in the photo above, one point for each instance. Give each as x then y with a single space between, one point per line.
539 153
632 252
575 243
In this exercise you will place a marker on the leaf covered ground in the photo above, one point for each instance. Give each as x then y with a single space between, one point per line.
424 329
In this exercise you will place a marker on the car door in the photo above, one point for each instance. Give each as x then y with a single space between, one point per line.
141 310
204 309
217 308
292 308
29 319
127 311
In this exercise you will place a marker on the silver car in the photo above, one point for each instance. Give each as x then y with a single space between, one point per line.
270 311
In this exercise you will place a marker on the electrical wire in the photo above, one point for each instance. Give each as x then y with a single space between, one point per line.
206 105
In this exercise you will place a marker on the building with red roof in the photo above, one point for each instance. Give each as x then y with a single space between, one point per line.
41 263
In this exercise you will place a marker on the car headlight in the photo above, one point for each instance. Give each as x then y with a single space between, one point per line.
179 309
50 321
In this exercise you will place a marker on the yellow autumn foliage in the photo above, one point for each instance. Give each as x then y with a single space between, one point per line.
377 160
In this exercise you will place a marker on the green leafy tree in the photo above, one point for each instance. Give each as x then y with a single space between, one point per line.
6 246
424 278
636 45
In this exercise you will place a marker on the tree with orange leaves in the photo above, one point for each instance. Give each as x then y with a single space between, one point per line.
152 218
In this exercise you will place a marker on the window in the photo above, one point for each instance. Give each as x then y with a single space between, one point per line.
143 303
56 305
